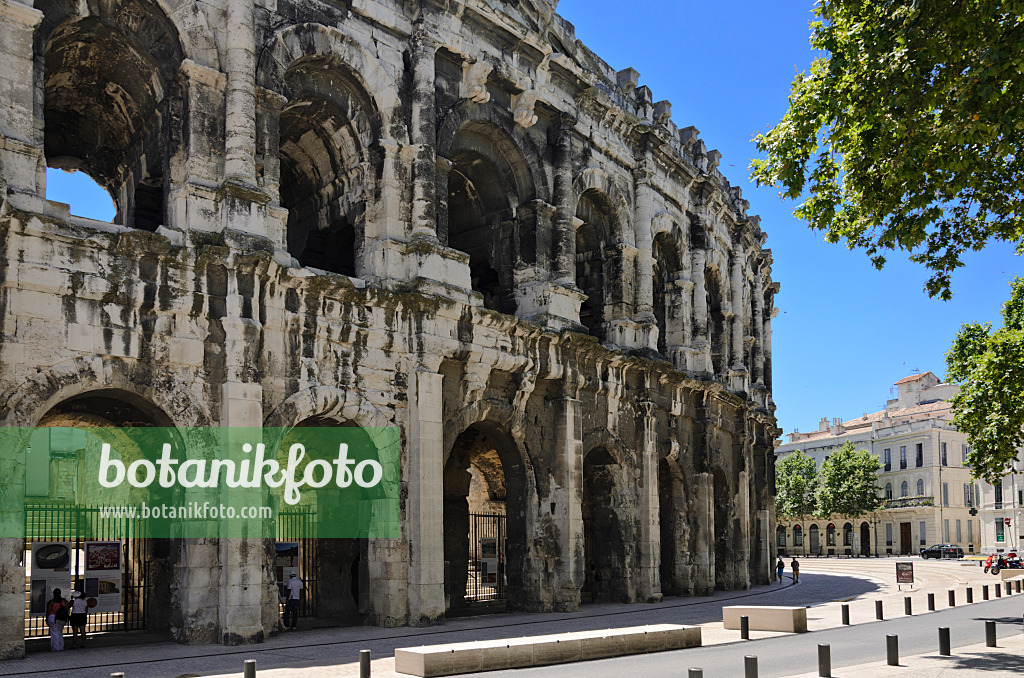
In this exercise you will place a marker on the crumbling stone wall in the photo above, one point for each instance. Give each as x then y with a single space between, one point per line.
449 217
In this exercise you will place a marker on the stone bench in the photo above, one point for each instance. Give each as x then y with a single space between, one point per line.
1011 573
766 617
514 653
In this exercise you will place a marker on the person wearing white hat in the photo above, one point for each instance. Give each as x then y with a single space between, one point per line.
79 615
291 606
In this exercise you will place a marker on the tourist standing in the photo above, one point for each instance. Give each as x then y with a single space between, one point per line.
56 618
779 568
795 566
79 615
291 606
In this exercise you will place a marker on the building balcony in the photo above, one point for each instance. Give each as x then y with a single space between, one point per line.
908 502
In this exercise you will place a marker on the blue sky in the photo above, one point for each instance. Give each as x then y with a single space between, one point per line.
845 332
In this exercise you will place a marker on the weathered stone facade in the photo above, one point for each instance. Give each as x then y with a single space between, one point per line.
449 217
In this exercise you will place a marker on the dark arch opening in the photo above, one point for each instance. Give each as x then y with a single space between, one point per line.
335 572
716 321
865 539
109 87
486 185
604 543
673 528
147 564
594 255
324 133
667 267
484 521
723 530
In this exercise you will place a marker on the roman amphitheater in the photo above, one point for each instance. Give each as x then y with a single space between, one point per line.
446 216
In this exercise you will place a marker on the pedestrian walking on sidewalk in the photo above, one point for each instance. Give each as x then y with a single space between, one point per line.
291 606
56 618
79 615
779 567
795 566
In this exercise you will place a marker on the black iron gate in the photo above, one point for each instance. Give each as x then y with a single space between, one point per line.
56 522
295 527
486 576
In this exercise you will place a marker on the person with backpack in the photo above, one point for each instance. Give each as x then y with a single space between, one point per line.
780 568
56 617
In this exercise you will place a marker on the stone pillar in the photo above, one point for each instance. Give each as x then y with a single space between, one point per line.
704 539
442 171
565 500
738 310
565 204
649 575
12 548
645 254
423 136
240 117
699 346
758 327
425 508
22 163
244 589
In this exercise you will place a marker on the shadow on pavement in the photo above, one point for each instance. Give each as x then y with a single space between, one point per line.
996 662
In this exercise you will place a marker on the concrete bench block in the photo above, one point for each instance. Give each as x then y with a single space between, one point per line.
766 617
490 655
1010 574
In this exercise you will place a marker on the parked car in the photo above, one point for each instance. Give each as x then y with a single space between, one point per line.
942 551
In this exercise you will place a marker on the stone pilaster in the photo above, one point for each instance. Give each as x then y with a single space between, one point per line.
758 327
649 576
564 503
424 510
565 204
644 246
22 163
700 358
240 117
423 136
738 309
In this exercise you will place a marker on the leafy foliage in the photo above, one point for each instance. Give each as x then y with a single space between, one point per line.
908 133
847 483
795 483
990 405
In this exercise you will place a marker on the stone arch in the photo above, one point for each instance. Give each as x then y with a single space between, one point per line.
109 92
489 180
37 395
668 273
601 232
306 41
602 437
600 181
609 538
716 290
723 529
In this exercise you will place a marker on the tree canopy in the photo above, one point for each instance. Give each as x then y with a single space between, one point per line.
907 134
795 483
847 483
989 408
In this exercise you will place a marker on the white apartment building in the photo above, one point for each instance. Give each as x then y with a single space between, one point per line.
930 495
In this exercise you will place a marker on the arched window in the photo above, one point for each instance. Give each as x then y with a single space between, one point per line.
888 490
798 536
830 535
717 327
920 488
595 272
848 534
780 536
667 268
904 489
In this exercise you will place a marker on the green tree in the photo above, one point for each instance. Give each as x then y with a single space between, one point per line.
847 483
795 483
989 408
907 134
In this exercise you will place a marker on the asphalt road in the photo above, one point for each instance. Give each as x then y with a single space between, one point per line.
791 655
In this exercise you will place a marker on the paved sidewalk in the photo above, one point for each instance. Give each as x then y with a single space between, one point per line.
319 653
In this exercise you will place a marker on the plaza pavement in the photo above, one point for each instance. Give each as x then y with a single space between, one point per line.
825 585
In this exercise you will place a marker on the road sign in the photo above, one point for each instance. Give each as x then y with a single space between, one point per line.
1007 521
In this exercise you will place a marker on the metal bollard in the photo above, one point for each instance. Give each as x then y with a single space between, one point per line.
952 598
744 628
999 591
750 666
1017 585
117 675
984 592
944 641
824 661
892 650
990 634
878 610
846 614
249 668
931 602
695 673
970 595
1009 588
364 664
907 606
